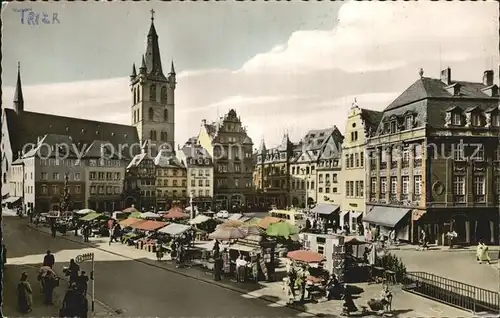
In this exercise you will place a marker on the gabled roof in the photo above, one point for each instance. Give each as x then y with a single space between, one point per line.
26 127
136 161
472 109
196 153
166 159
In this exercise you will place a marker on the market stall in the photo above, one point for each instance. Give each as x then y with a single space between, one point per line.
175 213
175 229
150 216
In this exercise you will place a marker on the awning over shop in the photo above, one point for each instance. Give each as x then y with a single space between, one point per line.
385 216
11 200
243 248
91 216
174 229
245 218
149 225
325 209
355 214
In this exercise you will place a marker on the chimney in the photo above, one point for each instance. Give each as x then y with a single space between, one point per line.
488 78
446 76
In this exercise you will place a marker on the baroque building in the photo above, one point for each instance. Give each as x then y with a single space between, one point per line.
228 143
153 99
271 174
316 148
434 162
360 124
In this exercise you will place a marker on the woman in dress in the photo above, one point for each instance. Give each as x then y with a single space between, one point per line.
24 294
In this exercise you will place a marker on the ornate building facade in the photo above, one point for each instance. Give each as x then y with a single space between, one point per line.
317 146
272 174
230 147
434 162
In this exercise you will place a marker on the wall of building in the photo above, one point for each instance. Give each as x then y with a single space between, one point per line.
30 165
104 185
195 175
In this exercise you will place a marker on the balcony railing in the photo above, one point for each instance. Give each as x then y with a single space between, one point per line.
417 163
392 197
416 197
383 165
405 164
459 198
394 164
479 198
404 197
373 166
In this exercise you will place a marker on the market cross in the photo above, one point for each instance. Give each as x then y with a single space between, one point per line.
84 257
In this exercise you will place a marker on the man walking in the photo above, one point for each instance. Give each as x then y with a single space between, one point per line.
49 260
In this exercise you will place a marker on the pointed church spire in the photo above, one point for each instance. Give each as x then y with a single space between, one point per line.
143 67
153 58
18 95
134 72
172 68
262 147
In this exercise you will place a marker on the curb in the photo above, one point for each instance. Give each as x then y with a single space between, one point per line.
207 281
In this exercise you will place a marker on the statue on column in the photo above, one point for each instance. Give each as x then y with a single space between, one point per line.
65 199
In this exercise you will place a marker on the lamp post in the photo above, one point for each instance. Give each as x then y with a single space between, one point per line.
307 189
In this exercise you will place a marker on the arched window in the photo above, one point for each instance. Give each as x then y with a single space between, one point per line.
150 113
135 96
152 93
165 115
138 94
163 95
152 135
163 136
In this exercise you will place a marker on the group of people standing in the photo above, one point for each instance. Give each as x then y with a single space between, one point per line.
244 267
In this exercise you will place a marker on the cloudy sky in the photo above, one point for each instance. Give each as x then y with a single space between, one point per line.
283 66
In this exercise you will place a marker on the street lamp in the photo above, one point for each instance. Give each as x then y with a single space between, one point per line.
307 188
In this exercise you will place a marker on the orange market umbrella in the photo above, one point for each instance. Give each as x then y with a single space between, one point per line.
305 256
175 213
130 210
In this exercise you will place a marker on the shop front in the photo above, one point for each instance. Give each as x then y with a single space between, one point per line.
387 219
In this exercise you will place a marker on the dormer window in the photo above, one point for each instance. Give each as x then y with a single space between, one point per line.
393 127
476 120
408 122
456 119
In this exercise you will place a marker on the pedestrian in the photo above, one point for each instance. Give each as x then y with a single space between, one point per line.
159 252
349 305
86 232
24 294
216 249
74 269
304 274
218 268
424 240
255 270
347 228
70 302
82 283
484 253
289 293
241 266
53 229
49 284
173 249
49 260
226 263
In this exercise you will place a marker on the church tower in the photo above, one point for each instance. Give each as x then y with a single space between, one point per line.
153 102
18 95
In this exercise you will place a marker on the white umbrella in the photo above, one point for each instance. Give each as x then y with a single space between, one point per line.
226 234
150 215
85 211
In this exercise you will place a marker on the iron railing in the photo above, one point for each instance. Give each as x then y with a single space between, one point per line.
452 292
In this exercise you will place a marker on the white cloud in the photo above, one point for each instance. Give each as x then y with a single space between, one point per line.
373 53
